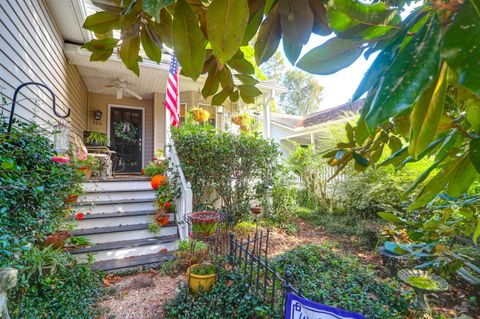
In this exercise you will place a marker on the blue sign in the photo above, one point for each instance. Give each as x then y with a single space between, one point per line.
299 308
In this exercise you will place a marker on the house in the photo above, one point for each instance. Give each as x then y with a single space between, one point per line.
41 41
288 130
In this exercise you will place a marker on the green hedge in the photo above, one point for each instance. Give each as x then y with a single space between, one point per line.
341 281
32 189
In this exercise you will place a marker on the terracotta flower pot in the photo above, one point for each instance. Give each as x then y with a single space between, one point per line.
256 210
162 218
205 224
71 199
57 240
86 171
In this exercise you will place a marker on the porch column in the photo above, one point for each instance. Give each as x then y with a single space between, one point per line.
266 116
158 121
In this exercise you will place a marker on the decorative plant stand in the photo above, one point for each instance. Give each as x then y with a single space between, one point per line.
423 283
208 227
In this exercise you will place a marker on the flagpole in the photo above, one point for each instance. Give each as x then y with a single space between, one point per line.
168 135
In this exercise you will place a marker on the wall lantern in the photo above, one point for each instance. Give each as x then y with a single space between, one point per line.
61 131
61 135
98 115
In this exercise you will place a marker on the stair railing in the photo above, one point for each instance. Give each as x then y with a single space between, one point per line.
184 202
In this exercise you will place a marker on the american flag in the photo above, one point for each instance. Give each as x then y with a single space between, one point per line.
172 96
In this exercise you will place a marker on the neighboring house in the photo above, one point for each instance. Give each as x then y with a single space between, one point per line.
40 40
288 130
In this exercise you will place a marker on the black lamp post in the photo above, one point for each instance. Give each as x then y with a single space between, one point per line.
12 111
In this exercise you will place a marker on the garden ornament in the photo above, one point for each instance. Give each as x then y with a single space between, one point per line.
423 283
8 280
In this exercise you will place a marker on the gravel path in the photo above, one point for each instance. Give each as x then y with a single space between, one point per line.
138 296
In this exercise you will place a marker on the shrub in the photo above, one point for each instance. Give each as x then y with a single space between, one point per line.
284 195
52 285
340 281
229 298
239 168
32 188
305 162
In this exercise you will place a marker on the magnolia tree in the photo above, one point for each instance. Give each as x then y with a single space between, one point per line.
421 90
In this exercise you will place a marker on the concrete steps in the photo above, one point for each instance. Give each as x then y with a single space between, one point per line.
116 218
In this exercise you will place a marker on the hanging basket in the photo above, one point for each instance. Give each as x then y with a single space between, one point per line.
204 224
200 115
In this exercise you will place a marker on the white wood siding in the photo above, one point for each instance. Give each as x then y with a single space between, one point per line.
31 49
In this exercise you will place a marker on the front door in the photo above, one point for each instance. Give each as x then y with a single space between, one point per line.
126 126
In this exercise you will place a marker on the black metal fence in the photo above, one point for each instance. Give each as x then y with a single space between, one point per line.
250 257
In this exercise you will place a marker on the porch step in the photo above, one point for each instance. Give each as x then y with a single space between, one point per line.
132 262
114 206
117 185
114 229
127 248
115 196
118 219
100 235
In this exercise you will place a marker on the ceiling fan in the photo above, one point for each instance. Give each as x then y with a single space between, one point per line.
120 86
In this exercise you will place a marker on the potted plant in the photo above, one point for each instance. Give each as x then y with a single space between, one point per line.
87 165
201 277
57 239
256 210
158 180
72 197
204 224
162 218
200 115
96 139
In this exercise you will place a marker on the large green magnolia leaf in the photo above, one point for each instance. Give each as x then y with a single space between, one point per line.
256 8
472 109
296 20
101 49
475 153
457 177
101 22
461 46
320 21
129 54
427 113
379 66
153 7
150 47
462 178
240 64
330 57
226 23
188 40
219 98
211 84
291 50
356 20
268 37
409 75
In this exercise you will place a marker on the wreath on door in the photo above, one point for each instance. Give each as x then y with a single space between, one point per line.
126 131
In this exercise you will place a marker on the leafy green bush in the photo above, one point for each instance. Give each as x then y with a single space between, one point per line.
239 168
229 298
32 188
340 281
284 195
53 285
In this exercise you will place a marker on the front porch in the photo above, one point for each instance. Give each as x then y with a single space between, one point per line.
118 100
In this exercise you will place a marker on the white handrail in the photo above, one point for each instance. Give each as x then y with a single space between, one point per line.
185 201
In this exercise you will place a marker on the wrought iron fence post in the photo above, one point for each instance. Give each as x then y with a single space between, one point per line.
287 287
232 238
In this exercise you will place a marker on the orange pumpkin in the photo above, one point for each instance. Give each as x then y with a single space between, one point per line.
158 180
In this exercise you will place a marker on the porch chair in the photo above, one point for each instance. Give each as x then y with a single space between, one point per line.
102 153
